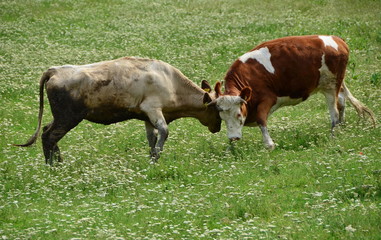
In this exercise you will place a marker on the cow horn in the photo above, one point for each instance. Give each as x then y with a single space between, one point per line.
241 101
211 103
219 108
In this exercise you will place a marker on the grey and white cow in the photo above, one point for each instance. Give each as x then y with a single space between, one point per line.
117 90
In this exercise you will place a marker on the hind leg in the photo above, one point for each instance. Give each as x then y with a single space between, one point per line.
50 137
341 106
48 151
331 99
67 113
53 132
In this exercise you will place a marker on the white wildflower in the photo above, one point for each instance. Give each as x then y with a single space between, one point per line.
317 194
349 228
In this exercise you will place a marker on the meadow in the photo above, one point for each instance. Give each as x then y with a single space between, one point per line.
312 186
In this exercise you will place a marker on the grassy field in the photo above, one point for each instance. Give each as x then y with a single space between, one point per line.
311 186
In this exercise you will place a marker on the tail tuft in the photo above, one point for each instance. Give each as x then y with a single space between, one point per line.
362 110
45 77
30 141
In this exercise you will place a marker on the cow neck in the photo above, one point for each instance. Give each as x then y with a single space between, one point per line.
234 83
190 106
233 87
191 99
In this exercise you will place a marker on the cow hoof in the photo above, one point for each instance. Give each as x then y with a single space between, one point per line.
270 146
153 159
155 155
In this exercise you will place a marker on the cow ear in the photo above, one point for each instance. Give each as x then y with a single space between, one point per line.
206 86
246 94
217 88
207 99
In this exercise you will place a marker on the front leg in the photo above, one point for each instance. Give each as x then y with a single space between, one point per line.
151 132
267 141
157 121
162 128
263 111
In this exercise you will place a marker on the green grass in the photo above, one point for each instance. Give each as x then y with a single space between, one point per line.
312 186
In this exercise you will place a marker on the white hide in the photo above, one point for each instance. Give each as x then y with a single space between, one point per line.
267 139
230 107
327 86
328 41
122 83
327 81
262 55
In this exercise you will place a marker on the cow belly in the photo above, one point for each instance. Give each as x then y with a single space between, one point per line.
285 101
109 116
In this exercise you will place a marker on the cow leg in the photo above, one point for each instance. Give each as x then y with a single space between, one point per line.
158 122
49 153
331 99
50 137
262 114
52 133
341 106
151 136
267 141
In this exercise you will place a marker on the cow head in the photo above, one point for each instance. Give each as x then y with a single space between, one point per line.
212 119
232 109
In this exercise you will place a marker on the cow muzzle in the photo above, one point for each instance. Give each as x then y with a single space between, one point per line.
234 134
233 139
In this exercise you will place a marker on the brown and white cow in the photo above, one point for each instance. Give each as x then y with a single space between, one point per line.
113 91
284 72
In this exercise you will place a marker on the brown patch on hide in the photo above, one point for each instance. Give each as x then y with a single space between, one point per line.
99 84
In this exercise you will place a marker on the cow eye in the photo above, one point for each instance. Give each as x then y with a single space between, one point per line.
239 115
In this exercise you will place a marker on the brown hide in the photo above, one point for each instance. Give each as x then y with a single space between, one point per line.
284 72
296 61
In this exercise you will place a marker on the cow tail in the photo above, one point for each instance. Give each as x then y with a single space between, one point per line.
45 77
361 109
